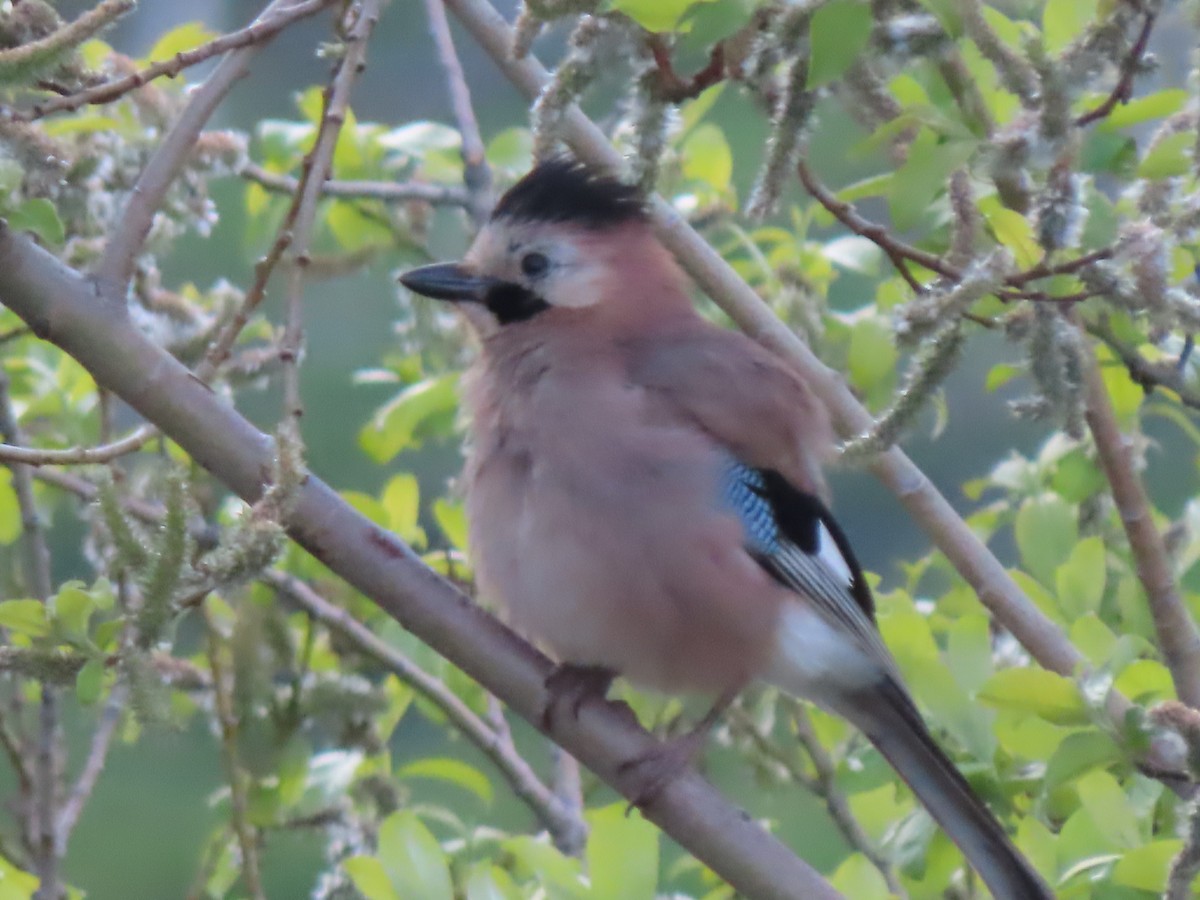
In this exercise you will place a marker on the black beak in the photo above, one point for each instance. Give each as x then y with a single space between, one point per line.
447 281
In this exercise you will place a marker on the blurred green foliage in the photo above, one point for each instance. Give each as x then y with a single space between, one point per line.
353 782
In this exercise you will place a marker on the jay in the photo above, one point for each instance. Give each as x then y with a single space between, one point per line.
644 488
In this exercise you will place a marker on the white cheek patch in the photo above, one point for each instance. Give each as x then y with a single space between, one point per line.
574 286
828 553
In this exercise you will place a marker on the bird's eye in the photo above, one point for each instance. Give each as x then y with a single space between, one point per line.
534 264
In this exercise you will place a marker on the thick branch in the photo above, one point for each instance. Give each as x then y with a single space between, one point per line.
65 308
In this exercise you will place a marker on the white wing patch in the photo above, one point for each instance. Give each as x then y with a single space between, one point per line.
828 553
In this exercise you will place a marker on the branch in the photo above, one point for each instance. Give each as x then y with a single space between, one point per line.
1145 372
386 191
39 583
129 234
476 174
63 307
73 456
257 32
318 163
102 737
1177 633
563 824
239 779
672 87
1123 90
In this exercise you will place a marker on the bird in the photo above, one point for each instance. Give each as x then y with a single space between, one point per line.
645 492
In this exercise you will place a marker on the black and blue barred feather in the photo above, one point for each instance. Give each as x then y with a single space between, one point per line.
780 520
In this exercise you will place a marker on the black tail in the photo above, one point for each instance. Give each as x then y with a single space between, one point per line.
891 721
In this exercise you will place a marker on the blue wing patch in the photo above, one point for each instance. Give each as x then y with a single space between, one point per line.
780 520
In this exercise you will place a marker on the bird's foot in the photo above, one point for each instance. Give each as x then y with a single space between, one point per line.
647 775
570 686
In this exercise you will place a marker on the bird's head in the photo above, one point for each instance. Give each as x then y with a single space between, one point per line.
563 237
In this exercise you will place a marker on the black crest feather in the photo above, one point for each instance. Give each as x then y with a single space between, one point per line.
563 190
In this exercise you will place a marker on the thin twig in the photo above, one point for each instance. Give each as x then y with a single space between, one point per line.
386 191
561 822
237 776
670 86
316 168
129 234
40 585
1148 374
477 175
93 765
1122 92
71 456
1174 626
254 33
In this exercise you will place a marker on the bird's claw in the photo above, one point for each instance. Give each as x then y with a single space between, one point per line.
570 686
648 774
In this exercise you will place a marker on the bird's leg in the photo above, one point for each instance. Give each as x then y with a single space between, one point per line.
570 686
652 771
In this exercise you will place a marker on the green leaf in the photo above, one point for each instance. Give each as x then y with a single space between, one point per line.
451 771
1145 868
1076 477
1000 375
89 681
187 36
1046 530
25 617
511 150
451 517
707 157
488 882
1064 20
655 15
858 877
10 510
353 230
399 424
1046 694
924 176
622 854
1172 156
72 607
537 858
838 33
1109 808
39 216
370 878
1158 105
1080 580
413 859
1078 754
872 358
1012 230
401 500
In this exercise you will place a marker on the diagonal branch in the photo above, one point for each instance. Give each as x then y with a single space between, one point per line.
60 305
1177 633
